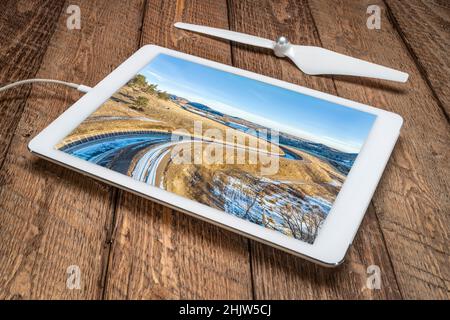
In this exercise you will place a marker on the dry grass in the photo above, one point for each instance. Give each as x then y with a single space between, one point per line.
157 115
311 176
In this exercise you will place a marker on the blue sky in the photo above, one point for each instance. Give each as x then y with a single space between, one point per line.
277 108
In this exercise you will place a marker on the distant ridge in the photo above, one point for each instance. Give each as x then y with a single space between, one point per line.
342 161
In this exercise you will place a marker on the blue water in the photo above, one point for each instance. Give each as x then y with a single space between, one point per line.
97 149
290 155
117 151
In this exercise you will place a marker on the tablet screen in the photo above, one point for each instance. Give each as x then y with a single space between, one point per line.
271 156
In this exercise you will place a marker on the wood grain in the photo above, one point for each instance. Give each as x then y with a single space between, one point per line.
278 275
158 253
52 218
128 247
412 201
424 25
26 28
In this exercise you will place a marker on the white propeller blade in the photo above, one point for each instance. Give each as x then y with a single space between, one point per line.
311 60
316 60
229 35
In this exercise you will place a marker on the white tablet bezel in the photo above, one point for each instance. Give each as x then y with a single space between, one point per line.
341 225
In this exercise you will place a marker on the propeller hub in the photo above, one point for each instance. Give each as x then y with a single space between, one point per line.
282 44
282 41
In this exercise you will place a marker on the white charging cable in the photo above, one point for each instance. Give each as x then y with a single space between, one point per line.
79 87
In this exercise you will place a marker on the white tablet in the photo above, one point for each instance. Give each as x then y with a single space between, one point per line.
279 163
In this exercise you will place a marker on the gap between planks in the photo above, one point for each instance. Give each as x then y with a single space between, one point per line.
249 241
28 91
116 193
412 53
371 200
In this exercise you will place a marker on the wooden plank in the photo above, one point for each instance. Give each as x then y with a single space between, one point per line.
427 36
52 218
160 253
412 201
26 31
278 275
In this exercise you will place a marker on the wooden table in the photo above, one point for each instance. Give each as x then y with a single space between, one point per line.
126 247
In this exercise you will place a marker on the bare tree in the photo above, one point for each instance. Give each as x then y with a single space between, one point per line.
315 219
251 189
255 191
303 225
293 218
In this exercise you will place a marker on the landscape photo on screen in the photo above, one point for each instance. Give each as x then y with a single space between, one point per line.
271 156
